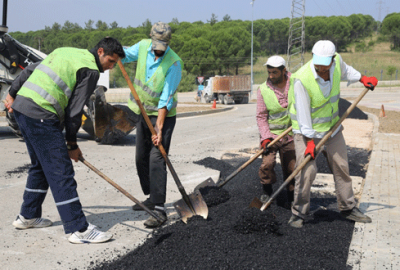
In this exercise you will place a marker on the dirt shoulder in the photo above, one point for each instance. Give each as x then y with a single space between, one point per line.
387 124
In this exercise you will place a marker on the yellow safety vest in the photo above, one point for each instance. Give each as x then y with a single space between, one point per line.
278 117
52 82
324 111
149 92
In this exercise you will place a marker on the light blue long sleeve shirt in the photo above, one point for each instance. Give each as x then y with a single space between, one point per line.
172 78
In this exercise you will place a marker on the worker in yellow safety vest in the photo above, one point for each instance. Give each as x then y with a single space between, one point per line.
314 109
272 119
45 97
158 73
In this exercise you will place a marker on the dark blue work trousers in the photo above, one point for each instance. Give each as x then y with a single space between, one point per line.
150 164
51 166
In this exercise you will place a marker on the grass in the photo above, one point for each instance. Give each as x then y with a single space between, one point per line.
380 57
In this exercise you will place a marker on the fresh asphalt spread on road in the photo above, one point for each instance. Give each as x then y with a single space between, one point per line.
235 236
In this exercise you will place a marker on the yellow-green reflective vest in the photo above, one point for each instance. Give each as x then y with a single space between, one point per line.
149 92
324 111
278 117
52 82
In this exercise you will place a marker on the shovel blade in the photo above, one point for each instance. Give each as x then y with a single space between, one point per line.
207 183
198 203
256 203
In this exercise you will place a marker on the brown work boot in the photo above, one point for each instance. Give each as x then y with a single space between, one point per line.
152 222
356 215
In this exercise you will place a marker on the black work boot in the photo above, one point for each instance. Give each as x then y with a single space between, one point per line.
146 203
152 222
356 215
267 189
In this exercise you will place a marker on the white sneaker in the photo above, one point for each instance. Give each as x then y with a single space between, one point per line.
23 223
91 235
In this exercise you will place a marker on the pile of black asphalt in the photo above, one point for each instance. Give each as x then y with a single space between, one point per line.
235 236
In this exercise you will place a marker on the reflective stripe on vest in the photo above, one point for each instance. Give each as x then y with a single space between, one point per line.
149 92
48 97
278 118
324 111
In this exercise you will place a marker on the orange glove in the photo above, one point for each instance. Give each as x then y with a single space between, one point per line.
264 145
369 82
310 150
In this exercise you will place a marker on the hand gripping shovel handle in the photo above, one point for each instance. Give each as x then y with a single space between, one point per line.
153 132
123 191
319 145
229 177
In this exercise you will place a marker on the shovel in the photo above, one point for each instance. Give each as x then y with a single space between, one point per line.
222 181
262 206
192 204
123 191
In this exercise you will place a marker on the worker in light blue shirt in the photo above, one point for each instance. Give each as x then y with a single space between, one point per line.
158 73
172 80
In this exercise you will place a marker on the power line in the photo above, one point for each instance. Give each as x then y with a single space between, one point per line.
330 6
319 8
340 6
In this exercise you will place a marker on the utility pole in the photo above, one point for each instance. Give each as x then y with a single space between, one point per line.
380 2
296 42
252 82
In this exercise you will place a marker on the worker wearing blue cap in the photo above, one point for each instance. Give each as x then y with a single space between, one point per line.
314 109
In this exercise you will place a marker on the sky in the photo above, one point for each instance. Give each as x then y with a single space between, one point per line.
33 15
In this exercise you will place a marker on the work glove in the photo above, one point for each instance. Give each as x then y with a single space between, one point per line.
264 145
310 150
369 82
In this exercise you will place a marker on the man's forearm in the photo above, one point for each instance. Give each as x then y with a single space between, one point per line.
162 113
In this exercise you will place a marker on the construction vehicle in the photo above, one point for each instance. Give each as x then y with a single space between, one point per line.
104 122
228 89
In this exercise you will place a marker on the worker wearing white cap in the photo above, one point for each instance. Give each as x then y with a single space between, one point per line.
273 119
314 109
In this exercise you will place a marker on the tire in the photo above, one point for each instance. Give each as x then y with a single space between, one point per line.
226 100
207 98
221 99
238 100
245 100
12 123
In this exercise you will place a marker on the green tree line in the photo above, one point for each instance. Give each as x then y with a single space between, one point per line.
213 47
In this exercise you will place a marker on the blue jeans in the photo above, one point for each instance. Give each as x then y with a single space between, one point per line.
51 167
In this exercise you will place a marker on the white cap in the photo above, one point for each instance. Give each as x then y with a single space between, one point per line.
275 61
323 51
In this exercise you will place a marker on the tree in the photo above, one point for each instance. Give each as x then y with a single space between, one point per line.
56 27
89 25
213 19
391 28
100 25
70 27
175 21
114 25
146 27
188 82
226 18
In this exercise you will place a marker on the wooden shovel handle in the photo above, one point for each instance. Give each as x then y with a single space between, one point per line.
153 132
253 158
123 191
